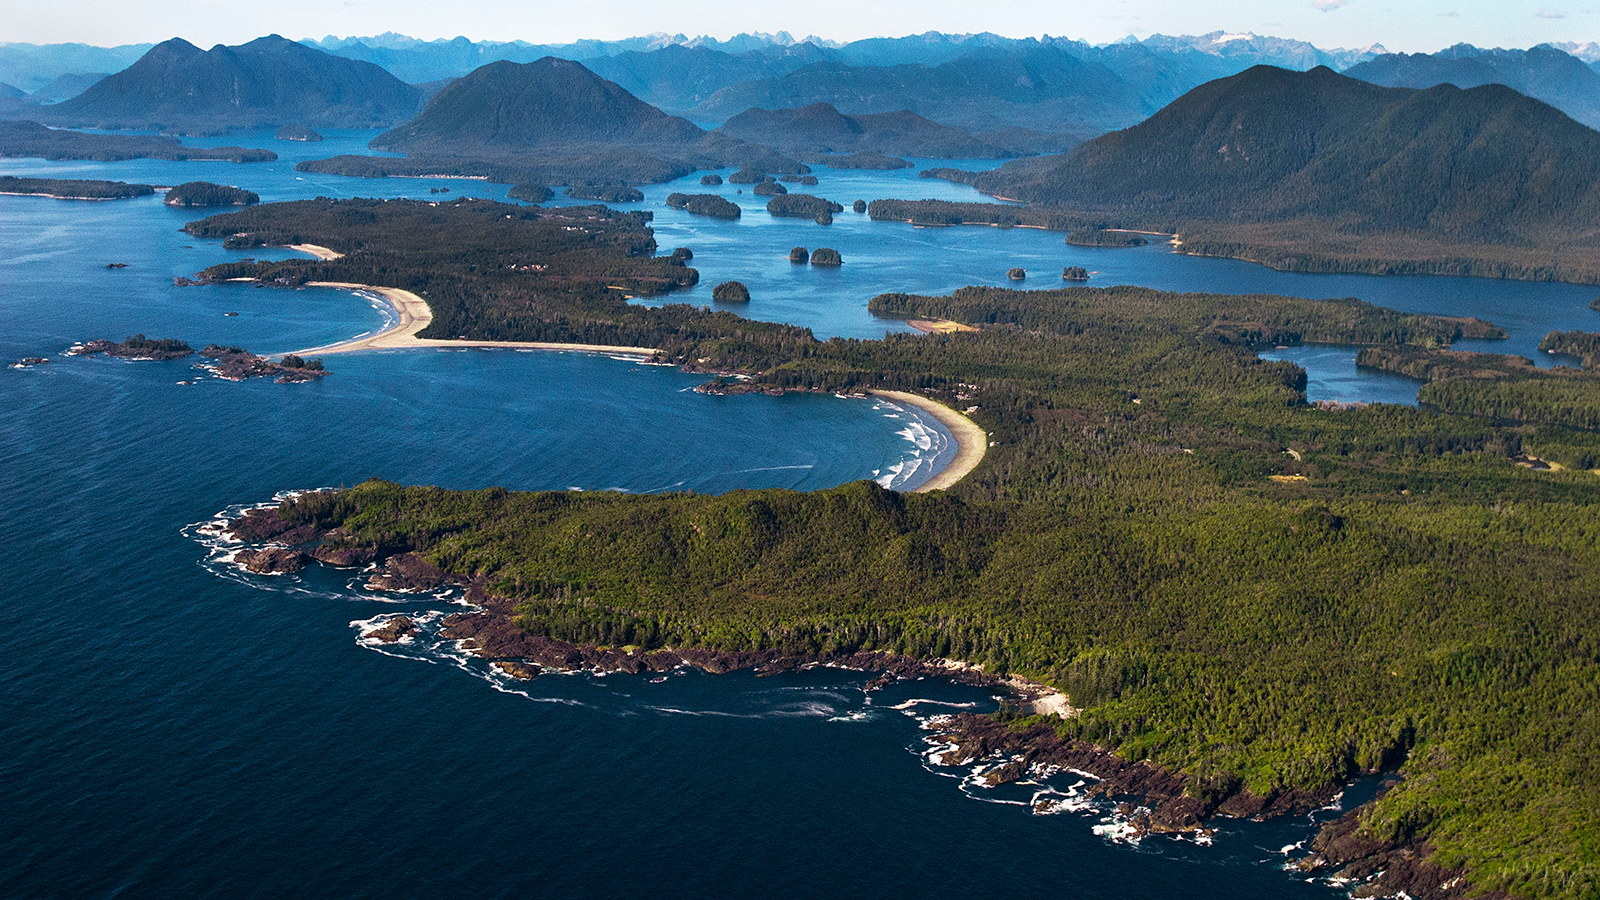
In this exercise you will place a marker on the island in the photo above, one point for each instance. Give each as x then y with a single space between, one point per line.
705 205
731 292
297 133
826 256
1075 273
769 188
799 255
605 192
1213 596
711 180
204 193
867 159
73 189
533 193
945 212
25 138
137 347
1017 274
803 206
238 364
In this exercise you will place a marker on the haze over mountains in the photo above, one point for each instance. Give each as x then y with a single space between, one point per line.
1545 73
1064 88
820 128
270 81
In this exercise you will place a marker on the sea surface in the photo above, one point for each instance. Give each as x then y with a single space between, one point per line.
171 727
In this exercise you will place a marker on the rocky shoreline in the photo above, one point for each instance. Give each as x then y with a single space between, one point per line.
1151 799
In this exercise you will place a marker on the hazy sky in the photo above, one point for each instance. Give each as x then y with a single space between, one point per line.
1420 25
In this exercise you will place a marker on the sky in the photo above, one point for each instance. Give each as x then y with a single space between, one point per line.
1416 26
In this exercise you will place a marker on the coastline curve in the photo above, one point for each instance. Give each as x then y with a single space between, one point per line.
412 315
971 440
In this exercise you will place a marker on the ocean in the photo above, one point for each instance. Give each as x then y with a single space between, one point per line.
170 727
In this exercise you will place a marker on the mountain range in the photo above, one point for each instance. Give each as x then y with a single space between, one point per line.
270 81
1545 73
820 128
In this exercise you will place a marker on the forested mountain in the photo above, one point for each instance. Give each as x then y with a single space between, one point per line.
506 106
819 128
1345 159
551 122
267 82
1544 73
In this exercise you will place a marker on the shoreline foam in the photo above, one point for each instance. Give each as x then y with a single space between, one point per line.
412 315
971 440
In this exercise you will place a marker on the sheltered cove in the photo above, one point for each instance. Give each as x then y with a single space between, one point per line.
412 316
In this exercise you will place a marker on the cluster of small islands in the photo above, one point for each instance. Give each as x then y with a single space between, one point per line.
1218 598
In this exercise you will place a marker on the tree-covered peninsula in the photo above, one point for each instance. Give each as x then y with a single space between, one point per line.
1259 597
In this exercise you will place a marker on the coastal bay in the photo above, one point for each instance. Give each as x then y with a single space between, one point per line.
411 401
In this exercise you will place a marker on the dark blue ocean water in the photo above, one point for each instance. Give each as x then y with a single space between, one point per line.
170 728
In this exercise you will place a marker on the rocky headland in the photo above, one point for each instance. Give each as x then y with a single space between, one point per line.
1015 746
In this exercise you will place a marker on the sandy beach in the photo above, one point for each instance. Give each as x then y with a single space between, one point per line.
971 441
318 252
412 315
938 326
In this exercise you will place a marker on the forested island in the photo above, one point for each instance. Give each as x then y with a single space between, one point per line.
23 138
705 205
1259 597
205 193
946 212
804 206
297 133
74 189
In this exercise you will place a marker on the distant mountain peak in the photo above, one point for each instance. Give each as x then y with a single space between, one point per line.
266 82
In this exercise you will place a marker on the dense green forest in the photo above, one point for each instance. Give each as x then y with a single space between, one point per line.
1585 345
705 205
495 271
74 189
804 206
605 192
1313 171
1245 589
23 138
945 212
205 193
1504 388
